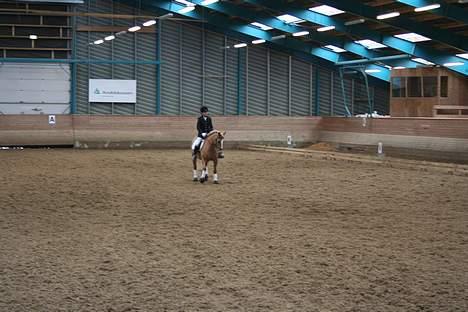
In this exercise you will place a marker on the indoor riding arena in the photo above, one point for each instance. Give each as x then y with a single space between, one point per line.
339 130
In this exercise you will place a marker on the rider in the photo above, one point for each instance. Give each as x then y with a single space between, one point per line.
204 126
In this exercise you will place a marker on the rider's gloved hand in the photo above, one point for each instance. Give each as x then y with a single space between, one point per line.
203 135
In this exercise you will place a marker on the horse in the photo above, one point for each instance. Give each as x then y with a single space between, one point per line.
211 150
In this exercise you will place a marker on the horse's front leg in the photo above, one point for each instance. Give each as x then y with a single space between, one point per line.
195 173
204 174
215 172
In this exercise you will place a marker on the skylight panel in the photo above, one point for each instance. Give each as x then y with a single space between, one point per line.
326 10
412 37
370 44
261 26
422 61
290 19
335 48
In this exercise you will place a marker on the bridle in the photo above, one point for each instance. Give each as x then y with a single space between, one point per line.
220 142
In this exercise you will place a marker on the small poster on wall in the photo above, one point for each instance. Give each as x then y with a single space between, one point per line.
52 120
112 91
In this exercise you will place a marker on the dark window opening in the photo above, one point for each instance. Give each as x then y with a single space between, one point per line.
28 53
430 86
444 86
398 87
414 86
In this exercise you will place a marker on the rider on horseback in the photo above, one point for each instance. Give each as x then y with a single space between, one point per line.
204 126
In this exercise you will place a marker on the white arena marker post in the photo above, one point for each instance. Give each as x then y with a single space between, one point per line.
380 149
289 141
52 120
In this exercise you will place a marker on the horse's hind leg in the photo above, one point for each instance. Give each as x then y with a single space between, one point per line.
215 172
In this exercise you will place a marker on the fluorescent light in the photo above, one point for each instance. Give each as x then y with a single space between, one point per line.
370 44
186 9
278 37
326 10
185 2
388 67
33 37
427 7
208 2
326 28
399 67
240 45
98 41
451 64
355 22
335 48
412 37
290 19
462 1
372 71
149 23
111 37
134 28
388 15
464 55
300 33
167 15
259 41
261 26
422 61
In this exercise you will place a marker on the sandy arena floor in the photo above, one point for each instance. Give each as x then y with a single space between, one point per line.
100 230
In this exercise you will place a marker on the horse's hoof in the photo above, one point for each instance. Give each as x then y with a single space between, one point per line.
215 182
195 179
202 180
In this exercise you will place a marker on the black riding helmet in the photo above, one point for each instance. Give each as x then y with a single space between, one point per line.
203 109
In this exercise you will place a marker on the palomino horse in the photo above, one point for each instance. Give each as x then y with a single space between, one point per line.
212 145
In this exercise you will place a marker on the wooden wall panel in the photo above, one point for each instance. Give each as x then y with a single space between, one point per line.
429 127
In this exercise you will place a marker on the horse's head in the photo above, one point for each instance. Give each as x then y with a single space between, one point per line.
220 140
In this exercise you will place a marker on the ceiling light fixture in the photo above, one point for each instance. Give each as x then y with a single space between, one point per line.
326 28
300 33
149 23
388 15
134 28
186 9
355 22
278 37
427 7
259 41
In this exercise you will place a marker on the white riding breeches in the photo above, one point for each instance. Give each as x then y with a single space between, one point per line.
196 142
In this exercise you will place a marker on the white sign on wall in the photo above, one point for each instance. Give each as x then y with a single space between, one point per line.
112 90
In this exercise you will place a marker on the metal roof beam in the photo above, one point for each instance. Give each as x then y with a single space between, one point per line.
256 33
441 35
404 46
268 20
445 10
